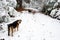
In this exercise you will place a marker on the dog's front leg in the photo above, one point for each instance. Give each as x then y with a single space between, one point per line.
17 27
12 31
8 31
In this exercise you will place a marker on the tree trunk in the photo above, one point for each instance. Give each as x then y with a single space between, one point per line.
19 2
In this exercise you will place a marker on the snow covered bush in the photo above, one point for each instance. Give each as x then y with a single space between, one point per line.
5 7
56 5
52 8
3 3
1 27
55 13
47 8
12 3
4 17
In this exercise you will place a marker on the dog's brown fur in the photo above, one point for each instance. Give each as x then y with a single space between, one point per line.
12 26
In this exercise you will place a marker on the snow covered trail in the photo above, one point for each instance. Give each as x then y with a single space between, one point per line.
35 27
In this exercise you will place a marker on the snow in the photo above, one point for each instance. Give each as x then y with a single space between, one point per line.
56 4
34 4
5 6
32 9
55 13
58 1
34 27
11 3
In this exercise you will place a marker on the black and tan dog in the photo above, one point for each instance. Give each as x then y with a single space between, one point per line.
12 26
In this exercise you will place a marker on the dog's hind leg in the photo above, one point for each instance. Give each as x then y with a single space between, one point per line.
8 31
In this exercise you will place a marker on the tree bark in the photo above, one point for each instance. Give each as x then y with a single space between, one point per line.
19 2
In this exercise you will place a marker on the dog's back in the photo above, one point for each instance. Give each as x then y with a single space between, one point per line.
13 24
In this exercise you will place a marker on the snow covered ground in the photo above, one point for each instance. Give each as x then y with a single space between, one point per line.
34 27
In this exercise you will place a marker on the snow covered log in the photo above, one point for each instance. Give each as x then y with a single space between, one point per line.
12 12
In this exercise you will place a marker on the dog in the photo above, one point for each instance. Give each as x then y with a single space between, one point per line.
12 26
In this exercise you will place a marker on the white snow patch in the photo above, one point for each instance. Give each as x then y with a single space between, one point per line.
35 27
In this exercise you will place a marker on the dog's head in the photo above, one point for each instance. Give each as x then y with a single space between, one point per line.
19 21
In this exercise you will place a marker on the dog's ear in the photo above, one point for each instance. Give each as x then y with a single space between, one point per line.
19 21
